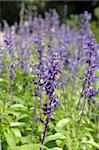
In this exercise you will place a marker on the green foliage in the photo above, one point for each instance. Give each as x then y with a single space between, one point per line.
96 12
16 124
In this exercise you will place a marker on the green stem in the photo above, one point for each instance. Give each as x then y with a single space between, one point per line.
79 122
0 145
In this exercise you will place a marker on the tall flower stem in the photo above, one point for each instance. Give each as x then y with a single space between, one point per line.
34 115
44 132
81 115
89 108
64 98
81 94
0 145
73 88
9 40
75 74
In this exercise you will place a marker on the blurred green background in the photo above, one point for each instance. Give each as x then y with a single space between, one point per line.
67 10
10 10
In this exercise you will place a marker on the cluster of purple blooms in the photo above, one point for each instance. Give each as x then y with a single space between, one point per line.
47 70
91 58
48 82
9 40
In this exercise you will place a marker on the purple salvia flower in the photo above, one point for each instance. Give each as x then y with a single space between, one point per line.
48 69
9 40
1 117
91 59
50 84
38 70
1 60
40 120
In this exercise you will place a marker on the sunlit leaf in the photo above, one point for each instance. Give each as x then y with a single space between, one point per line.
91 142
15 124
54 137
62 122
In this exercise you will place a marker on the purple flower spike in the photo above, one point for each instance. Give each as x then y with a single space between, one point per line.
91 93
86 16
56 103
90 49
1 117
40 120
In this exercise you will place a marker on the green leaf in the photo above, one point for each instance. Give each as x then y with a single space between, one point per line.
56 148
25 139
16 124
10 139
1 80
96 12
62 122
91 142
60 130
58 142
40 128
17 99
22 116
19 106
19 86
30 147
16 132
55 137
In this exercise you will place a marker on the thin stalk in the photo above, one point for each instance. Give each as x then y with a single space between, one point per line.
79 122
75 74
65 11
11 93
45 131
73 88
89 108
8 76
10 83
40 105
0 145
81 93
64 99
41 102
34 115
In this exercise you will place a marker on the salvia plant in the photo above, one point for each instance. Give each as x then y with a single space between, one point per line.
91 59
49 84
